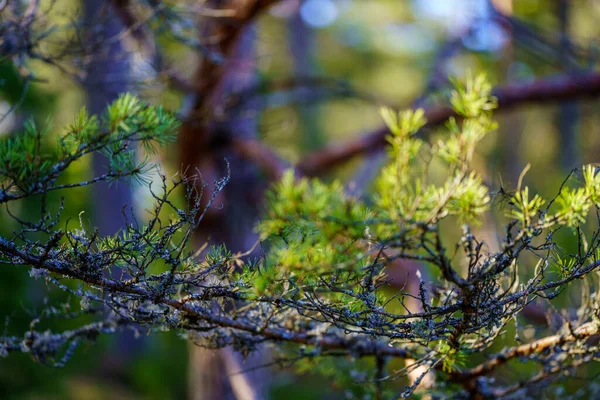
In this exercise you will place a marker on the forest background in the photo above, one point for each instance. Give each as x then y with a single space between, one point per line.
308 75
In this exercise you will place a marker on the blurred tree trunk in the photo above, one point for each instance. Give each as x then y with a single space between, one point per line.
107 75
203 138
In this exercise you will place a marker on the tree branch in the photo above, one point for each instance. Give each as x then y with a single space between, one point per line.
542 91
584 331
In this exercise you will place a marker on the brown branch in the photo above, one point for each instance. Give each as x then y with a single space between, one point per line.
253 150
542 91
584 331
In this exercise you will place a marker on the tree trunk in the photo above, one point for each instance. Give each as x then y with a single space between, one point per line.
108 75
202 142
